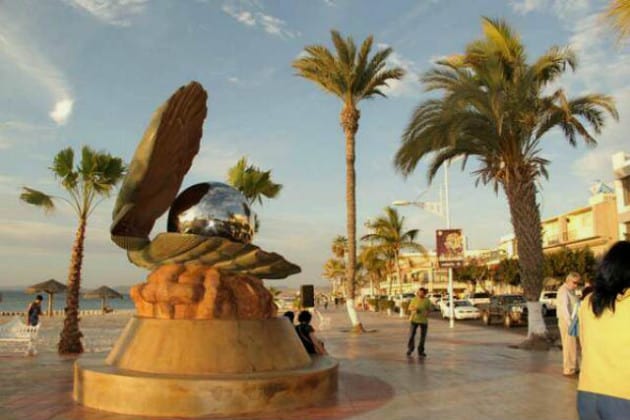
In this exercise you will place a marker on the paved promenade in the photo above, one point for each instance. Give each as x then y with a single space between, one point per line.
470 373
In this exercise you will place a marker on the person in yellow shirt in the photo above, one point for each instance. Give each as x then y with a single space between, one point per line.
604 332
419 308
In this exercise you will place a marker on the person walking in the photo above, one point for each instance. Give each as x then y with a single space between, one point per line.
419 308
604 320
565 304
34 311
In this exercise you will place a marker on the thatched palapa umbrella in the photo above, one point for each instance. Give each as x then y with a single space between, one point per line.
103 293
50 287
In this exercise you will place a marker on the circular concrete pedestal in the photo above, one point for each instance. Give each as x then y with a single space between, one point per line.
108 388
192 368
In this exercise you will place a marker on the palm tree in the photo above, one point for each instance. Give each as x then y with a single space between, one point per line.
253 182
339 246
618 14
495 107
94 177
374 263
335 271
390 238
352 76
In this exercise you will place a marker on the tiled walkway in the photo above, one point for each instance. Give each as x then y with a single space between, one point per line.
470 373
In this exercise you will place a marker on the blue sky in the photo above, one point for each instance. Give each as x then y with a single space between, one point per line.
91 72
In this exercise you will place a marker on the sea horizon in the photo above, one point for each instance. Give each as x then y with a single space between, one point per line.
15 300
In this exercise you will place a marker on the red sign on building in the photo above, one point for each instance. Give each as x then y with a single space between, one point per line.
450 247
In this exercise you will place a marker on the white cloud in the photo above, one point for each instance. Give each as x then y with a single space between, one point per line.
4 144
257 19
234 80
564 9
242 16
408 85
526 6
213 162
112 12
62 111
34 63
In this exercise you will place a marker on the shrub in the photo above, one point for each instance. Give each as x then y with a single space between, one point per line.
384 305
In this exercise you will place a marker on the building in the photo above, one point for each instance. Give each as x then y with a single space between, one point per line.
621 169
594 226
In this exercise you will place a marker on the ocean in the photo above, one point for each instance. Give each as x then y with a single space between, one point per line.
15 300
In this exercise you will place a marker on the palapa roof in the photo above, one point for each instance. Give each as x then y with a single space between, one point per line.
102 292
48 286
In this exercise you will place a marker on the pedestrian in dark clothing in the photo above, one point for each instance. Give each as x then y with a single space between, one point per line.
307 334
34 311
290 315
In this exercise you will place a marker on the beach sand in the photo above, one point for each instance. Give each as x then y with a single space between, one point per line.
99 332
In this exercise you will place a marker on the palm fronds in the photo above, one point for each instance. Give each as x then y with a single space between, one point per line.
37 198
349 74
618 14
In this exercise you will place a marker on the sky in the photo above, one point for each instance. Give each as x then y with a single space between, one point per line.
91 72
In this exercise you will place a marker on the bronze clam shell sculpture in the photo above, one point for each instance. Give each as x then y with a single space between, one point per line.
209 223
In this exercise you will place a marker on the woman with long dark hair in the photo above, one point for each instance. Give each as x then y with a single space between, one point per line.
604 317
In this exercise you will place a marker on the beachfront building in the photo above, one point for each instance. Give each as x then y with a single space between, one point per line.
594 226
621 169
417 270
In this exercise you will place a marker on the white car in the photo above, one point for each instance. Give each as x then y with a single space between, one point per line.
399 299
463 310
548 301
434 297
476 299
442 303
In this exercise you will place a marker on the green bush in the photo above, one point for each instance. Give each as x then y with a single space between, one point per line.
384 305
373 303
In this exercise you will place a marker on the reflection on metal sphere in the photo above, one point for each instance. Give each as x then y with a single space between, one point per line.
212 209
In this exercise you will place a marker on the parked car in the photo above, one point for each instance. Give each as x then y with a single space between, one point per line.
400 298
509 309
548 301
463 310
476 299
434 297
441 304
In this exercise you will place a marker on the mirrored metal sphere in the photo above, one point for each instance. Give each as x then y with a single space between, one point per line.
212 209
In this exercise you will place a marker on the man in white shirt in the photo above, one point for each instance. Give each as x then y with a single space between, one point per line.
565 303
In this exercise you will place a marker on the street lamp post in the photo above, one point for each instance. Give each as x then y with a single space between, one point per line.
441 209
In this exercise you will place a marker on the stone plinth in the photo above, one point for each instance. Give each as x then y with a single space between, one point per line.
192 368
198 347
104 387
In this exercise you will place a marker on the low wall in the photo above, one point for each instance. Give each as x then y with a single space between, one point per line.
61 313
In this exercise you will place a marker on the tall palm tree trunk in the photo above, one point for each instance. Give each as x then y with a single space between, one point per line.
400 288
350 124
70 341
525 215
398 274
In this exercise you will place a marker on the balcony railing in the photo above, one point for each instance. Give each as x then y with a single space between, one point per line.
578 234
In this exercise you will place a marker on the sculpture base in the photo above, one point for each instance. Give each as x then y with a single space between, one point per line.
108 388
193 368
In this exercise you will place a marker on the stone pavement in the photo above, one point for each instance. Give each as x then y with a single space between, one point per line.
470 373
